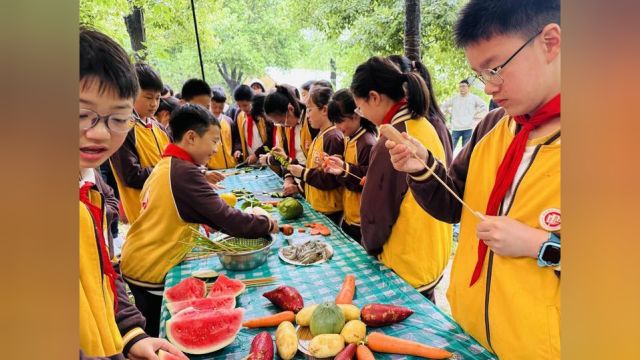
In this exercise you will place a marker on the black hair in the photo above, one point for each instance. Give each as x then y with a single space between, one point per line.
169 104
484 19
408 65
257 106
324 83
104 61
178 96
464 81
320 95
342 105
383 76
148 78
166 89
195 87
243 93
307 85
217 94
191 117
278 100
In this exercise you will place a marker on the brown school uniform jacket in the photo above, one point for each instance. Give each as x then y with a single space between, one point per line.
175 200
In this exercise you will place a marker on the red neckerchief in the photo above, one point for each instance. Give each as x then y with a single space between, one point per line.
96 215
249 130
292 142
176 151
394 110
509 166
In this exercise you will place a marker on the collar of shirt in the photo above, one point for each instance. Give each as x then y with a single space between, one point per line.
87 175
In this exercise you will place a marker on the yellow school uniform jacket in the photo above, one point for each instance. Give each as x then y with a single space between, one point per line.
322 190
134 160
175 200
408 240
223 158
356 156
103 331
263 130
514 307
307 133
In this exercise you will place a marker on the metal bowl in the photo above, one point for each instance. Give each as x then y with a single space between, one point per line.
247 260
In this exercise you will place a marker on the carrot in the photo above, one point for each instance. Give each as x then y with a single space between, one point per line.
380 342
363 181
325 231
270 320
273 203
301 230
363 353
345 296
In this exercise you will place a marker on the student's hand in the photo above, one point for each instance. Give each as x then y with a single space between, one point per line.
290 187
333 165
275 227
216 186
509 237
237 155
252 159
214 177
402 158
264 159
278 151
146 349
295 170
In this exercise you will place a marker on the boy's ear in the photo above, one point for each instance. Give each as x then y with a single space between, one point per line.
191 137
551 35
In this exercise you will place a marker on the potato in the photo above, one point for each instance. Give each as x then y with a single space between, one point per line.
286 340
303 317
354 331
351 312
326 345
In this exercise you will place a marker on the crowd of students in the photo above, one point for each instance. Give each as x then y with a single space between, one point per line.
163 150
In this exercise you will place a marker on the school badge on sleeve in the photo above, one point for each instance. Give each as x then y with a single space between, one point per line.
550 219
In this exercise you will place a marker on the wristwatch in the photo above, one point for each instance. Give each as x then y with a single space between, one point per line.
549 254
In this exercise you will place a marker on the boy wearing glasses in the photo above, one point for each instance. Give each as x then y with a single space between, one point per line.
109 325
505 280
142 149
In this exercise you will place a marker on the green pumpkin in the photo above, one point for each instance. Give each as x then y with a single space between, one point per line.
327 318
290 208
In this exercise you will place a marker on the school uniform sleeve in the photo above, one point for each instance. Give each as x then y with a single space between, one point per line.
128 318
333 144
440 125
110 201
235 137
198 203
127 164
430 194
364 144
381 211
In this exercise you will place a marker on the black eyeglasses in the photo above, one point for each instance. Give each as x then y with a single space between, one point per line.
493 75
120 123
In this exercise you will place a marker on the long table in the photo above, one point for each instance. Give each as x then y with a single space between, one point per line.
375 283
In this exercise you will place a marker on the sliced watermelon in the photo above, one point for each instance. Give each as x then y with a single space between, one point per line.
203 331
225 286
187 289
163 355
212 303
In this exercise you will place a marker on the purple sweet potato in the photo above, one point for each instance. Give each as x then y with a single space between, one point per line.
286 298
347 353
261 347
382 314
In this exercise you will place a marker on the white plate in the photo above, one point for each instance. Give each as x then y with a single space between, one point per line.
297 263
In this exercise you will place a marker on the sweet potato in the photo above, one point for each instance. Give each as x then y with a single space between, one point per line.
286 340
347 353
261 347
382 314
286 298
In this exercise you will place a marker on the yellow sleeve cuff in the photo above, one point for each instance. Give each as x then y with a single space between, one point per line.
132 334
346 170
305 172
426 175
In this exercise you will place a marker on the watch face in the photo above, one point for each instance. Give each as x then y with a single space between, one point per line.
551 254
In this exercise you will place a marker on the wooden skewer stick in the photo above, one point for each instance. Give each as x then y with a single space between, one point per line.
394 135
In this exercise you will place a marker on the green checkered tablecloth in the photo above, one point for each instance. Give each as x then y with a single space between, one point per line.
375 283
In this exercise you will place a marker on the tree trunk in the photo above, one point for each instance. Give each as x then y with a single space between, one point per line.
333 72
232 79
412 29
135 28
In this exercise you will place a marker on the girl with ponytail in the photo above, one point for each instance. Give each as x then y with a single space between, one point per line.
394 227
360 137
322 190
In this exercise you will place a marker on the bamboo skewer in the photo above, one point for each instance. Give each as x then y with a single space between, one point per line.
394 135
